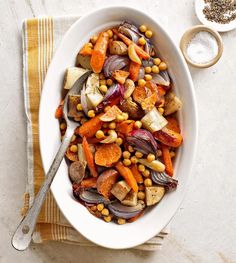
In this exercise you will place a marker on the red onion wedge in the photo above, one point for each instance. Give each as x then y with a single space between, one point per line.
143 141
131 31
161 78
123 211
113 63
90 197
164 180
113 96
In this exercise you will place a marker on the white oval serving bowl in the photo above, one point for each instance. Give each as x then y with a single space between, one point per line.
111 235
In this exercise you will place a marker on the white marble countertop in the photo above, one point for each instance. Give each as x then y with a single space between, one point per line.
204 229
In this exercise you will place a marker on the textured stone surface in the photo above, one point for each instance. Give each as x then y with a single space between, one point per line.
204 229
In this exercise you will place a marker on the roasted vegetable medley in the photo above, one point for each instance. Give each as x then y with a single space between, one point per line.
120 157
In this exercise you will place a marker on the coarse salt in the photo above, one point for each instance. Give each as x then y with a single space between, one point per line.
202 48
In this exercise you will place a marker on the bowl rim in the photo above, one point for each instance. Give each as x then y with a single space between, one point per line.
194 119
187 36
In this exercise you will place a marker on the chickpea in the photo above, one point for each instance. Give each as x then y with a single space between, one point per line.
159 153
162 66
100 207
73 138
131 149
126 162
141 195
143 28
125 115
110 33
94 208
119 118
133 159
112 125
63 126
79 107
138 154
119 141
155 69
126 154
138 124
161 110
142 41
150 157
156 61
91 113
94 39
148 182
109 82
105 212
146 173
121 221
107 219
107 108
103 88
100 134
74 148
148 69
141 168
148 77
172 154
141 82
148 33
115 37
101 76
102 82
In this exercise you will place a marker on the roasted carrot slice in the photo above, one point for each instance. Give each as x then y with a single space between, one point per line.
59 110
126 173
108 154
120 76
137 175
139 94
99 52
86 50
127 41
105 182
169 137
173 124
134 70
125 127
89 182
89 158
167 160
89 128
161 90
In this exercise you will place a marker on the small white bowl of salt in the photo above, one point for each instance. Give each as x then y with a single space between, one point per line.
201 46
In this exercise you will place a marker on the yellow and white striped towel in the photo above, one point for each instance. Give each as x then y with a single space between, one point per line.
41 37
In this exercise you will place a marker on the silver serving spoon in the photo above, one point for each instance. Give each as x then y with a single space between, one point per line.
23 234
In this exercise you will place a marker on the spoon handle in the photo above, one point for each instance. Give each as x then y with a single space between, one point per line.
23 234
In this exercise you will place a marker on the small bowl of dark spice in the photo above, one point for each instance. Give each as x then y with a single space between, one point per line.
201 46
218 14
